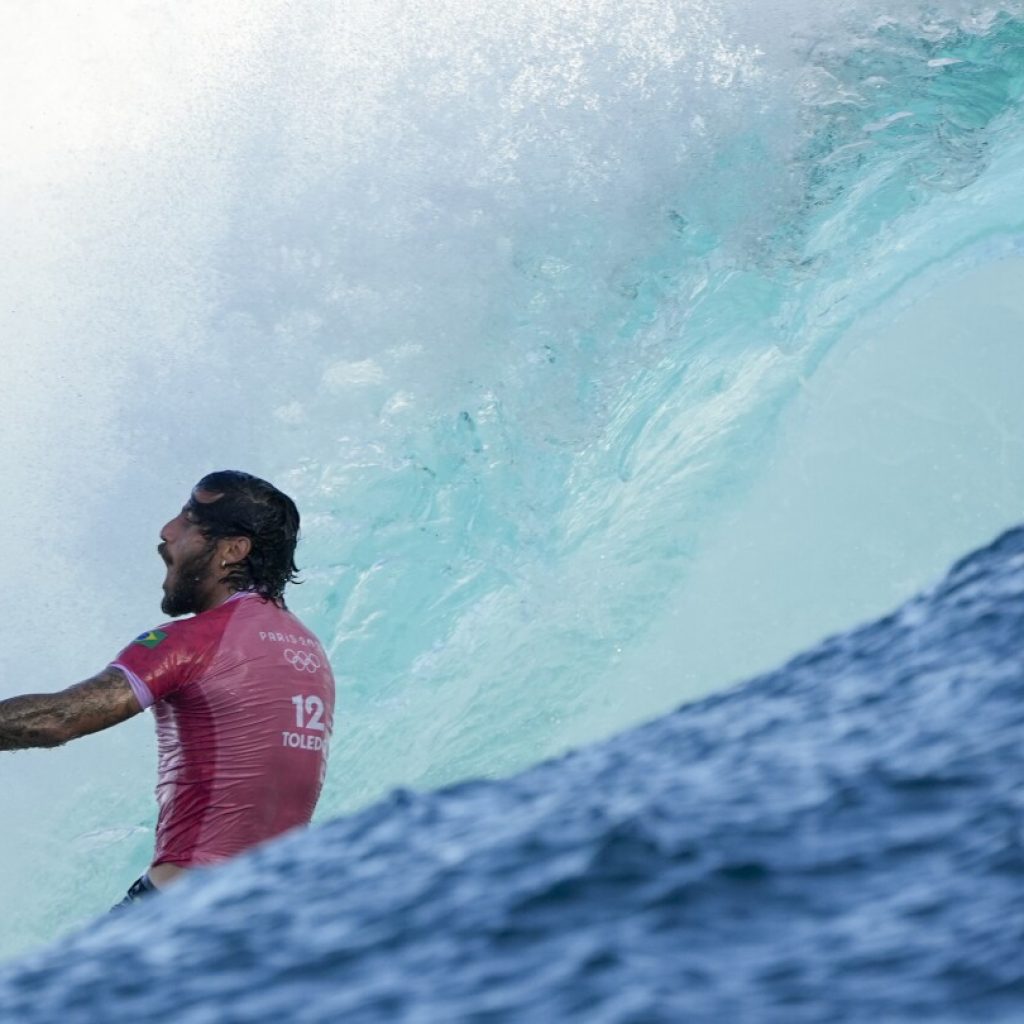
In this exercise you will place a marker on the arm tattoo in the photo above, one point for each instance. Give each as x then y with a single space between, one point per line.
50 719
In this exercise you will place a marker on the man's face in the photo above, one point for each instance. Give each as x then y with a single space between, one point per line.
189 558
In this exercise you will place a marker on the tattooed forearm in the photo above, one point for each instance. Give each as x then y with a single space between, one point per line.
31 721
50 719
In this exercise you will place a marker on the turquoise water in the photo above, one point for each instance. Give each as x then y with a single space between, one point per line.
611 353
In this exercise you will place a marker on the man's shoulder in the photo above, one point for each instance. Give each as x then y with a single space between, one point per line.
193 630
176 635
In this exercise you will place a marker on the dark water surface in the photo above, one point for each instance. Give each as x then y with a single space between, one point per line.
841 840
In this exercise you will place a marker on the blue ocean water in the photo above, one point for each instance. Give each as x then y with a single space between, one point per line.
840 840
614 352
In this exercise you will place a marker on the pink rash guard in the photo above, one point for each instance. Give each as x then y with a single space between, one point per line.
244 702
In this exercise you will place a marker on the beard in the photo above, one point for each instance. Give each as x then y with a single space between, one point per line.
186 584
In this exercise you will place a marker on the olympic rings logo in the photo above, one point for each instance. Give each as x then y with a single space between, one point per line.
302 661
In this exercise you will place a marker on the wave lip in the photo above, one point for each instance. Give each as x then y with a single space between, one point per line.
838 840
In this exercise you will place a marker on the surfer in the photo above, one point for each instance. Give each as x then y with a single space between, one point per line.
242 692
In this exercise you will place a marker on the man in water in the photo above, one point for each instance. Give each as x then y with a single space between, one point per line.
242 692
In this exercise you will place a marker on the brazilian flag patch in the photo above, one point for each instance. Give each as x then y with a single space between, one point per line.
151 639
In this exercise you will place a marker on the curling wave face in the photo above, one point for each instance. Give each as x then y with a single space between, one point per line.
545 556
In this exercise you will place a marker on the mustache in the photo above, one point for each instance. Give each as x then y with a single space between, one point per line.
161 550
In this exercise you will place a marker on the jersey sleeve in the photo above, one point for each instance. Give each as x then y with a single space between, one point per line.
161 661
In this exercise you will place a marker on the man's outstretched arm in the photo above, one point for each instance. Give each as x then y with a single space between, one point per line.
50 719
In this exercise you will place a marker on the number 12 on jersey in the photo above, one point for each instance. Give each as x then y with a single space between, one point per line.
309 712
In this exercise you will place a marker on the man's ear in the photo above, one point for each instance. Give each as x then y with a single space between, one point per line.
235 549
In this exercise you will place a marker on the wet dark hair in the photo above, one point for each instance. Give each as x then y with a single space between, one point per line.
250 507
